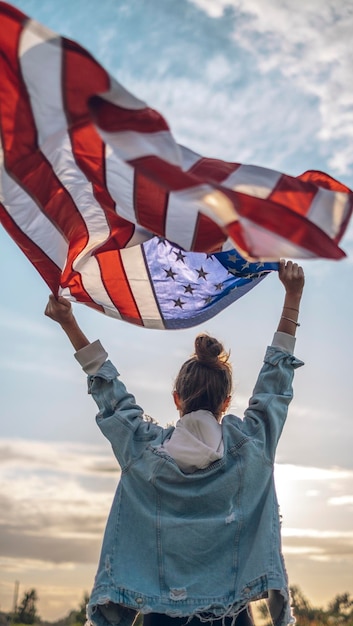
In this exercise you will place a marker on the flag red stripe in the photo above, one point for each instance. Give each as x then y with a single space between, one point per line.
328 182
113 118
146 194
13 13
207 235
167 175
82 78
48 270
12 97
323 180
286 224
115 281
213 169
291 192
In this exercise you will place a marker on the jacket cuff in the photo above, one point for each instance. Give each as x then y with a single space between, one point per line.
284 342
91 357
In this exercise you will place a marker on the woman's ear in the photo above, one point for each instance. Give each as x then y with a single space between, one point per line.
177 400
226 404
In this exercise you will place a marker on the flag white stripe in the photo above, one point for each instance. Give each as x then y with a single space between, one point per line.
189 158
40 61
182 214
130 145
120 96
137 275
252 180
30 219
328 210
185 206
110 311
120 184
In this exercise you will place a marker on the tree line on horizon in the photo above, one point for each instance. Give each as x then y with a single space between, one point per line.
339 612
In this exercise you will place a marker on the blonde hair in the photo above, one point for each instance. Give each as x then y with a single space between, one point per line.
205 380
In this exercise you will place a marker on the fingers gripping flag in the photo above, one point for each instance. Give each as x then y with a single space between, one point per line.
93 189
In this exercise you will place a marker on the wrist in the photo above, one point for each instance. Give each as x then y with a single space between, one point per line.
74 333
69 324
292 300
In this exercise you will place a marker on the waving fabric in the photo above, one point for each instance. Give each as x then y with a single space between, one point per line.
112 212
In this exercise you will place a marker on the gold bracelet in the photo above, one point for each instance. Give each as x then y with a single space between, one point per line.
290 320
290 308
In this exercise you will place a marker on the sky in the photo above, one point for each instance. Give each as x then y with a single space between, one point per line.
264 82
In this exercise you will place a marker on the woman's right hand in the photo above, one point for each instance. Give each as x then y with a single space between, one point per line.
59 309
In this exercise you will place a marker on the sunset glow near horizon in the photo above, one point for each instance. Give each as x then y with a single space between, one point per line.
266 83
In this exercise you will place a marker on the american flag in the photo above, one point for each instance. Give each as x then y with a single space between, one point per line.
112 212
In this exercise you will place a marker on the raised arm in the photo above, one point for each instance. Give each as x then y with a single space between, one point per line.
292 276
268 406
60 310
120 418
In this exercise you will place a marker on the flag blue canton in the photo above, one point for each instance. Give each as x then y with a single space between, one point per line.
191 287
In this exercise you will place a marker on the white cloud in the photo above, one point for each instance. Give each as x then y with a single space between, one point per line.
341 501
311 45
312 493
214 8
21 565
61 457
303 473
313 544
54 500
313 533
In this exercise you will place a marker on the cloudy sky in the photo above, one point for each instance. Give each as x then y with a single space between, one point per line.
266 82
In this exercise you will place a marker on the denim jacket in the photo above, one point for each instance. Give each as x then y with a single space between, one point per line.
205 543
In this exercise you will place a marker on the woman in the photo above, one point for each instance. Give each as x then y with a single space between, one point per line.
193 535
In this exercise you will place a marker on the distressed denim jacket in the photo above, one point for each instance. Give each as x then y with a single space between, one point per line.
205 543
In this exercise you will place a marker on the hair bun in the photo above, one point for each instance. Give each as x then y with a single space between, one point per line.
205 379
208 349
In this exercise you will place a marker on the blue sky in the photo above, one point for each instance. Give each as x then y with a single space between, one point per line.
257 82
